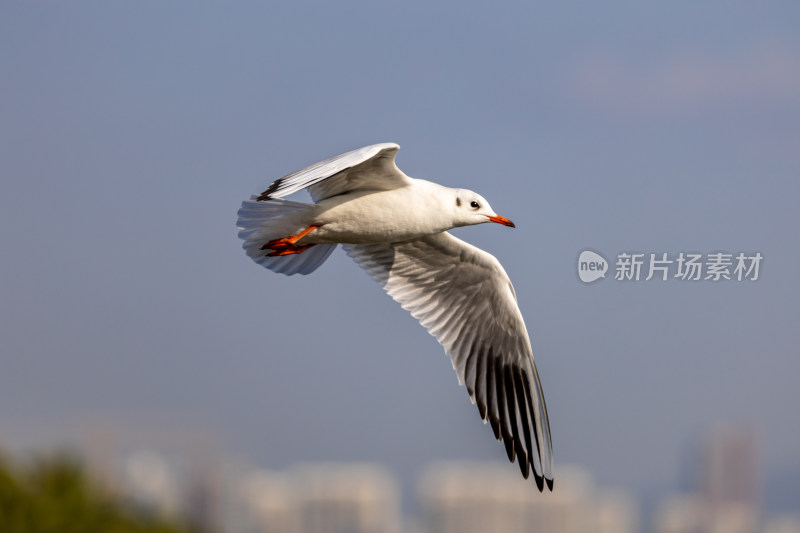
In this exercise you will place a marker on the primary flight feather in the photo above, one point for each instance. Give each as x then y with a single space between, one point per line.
395 228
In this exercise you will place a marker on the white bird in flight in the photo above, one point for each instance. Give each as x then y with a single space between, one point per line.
395 228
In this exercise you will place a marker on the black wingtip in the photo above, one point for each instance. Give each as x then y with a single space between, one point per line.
539 482
482 409
549 484
524 466
271 189
509 442
495 423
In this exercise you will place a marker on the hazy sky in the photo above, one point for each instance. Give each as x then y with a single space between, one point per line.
130 133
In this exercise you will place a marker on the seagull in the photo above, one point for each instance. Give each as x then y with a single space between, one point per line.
395 227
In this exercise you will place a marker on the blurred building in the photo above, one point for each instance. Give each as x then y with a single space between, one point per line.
266 504
488 497
727 499
150 482
782 524
729 468
325 497
691 514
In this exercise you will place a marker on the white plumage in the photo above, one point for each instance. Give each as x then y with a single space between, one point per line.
395 228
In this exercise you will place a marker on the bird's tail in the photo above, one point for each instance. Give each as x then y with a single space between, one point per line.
260 222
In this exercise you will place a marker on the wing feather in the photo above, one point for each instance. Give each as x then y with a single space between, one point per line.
368 168
491 382
463 297
513 414
480 385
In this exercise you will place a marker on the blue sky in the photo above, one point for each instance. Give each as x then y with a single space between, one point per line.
130 133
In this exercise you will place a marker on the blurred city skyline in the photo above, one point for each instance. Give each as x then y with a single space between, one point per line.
129 135
163 478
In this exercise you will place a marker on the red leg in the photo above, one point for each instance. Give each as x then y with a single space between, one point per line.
288 245
289 251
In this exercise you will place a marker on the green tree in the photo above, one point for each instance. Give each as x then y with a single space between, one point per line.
54 495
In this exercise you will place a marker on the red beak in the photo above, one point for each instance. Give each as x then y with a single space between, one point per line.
502 220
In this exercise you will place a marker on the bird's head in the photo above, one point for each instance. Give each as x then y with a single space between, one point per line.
471 208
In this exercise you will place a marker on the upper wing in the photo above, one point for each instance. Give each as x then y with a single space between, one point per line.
464 298
368 168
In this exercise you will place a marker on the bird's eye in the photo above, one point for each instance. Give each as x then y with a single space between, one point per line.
474 205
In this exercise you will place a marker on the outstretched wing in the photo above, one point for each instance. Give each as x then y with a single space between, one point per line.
368 168
464 298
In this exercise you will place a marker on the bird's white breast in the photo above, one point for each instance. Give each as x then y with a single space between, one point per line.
384 216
